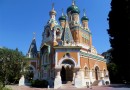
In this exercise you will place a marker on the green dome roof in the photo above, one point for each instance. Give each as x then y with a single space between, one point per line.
73 9
84 18
62 18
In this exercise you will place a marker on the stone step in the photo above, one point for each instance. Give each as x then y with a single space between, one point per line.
95 83
70 86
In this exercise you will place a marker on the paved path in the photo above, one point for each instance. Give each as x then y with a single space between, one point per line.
111 87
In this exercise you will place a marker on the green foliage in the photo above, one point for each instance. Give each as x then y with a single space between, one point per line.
39 83
112 67
29 75
119 26
11 63
3 88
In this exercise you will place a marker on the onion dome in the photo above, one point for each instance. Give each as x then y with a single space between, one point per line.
52 12
62 17
84 17
73 8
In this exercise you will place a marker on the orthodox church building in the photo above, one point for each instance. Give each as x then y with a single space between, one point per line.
66 53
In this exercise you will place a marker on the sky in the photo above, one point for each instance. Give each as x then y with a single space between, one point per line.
20 18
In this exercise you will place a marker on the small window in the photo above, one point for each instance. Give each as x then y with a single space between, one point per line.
86 72
48 33
58 32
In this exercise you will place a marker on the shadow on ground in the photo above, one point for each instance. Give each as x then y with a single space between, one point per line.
119 85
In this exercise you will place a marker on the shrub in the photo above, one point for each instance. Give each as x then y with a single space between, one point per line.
39 83
3 88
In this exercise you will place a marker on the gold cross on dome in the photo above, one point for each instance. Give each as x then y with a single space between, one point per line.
34 34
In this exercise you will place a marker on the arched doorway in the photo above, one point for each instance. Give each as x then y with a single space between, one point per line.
97 73
67 71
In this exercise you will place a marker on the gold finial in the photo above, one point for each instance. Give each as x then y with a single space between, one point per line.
34 35
73 2
84 12
52 6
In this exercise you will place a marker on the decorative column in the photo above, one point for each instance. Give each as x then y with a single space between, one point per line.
102 75
57 80
78 79
90 75
73 76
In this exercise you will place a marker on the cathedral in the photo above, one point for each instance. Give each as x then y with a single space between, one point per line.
66 53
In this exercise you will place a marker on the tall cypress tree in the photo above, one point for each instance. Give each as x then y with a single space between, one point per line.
119 28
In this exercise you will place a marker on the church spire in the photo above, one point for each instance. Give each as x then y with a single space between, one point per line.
32 52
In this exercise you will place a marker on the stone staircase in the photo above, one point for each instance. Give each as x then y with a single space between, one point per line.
67 85
98 83
95 83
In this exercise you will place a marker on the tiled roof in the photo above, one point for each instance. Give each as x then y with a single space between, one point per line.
33 48
67 36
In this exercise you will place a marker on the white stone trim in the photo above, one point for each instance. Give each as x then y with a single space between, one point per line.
83 46
94 59
91 53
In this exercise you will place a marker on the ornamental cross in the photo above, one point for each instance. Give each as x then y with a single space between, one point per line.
84 12
73 2
34 34
62 11
53 6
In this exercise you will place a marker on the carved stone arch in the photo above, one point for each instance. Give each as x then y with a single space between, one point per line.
85 65
96 65
69 59
33 68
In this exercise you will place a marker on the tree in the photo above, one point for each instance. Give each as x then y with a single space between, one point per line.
11 62
119 26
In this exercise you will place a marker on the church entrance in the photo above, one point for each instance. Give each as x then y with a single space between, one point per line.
66 74
67 71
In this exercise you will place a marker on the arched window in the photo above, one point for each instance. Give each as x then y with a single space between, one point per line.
86 72
104 73
97 73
